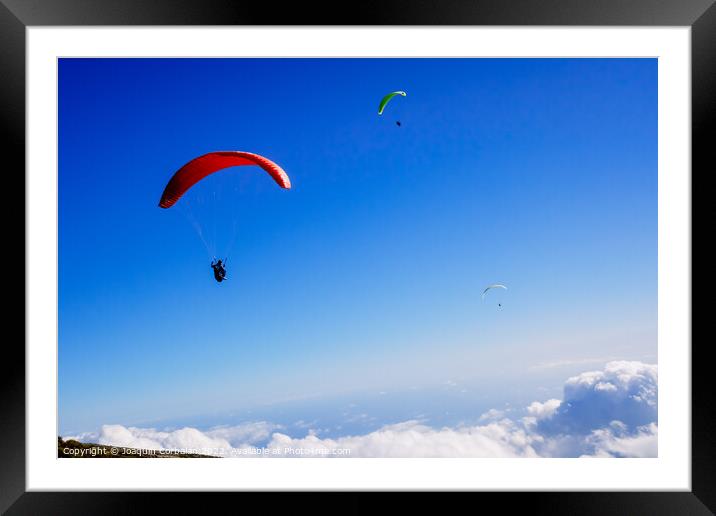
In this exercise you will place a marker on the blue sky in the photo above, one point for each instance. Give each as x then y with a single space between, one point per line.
365 277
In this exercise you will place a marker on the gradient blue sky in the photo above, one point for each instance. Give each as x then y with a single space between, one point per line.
365 277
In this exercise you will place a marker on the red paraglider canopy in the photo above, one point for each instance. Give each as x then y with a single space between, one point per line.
198 168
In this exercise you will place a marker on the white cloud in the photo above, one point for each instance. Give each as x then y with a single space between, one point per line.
492 414
608 413
246 433
412 439
616 441
220 437
623 391
543 410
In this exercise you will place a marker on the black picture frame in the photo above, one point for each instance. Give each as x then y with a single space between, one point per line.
17 15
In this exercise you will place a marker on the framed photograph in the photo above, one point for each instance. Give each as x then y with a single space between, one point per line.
396 249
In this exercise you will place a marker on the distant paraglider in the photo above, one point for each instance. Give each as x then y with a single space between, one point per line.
388 98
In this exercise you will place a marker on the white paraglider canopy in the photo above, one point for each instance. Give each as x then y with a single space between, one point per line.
496 285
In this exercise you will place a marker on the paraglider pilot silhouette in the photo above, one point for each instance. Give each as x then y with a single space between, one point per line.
219 270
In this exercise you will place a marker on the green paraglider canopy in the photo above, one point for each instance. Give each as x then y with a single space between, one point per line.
387 99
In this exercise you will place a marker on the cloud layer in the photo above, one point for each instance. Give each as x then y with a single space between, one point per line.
623 391
210 442
608 413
